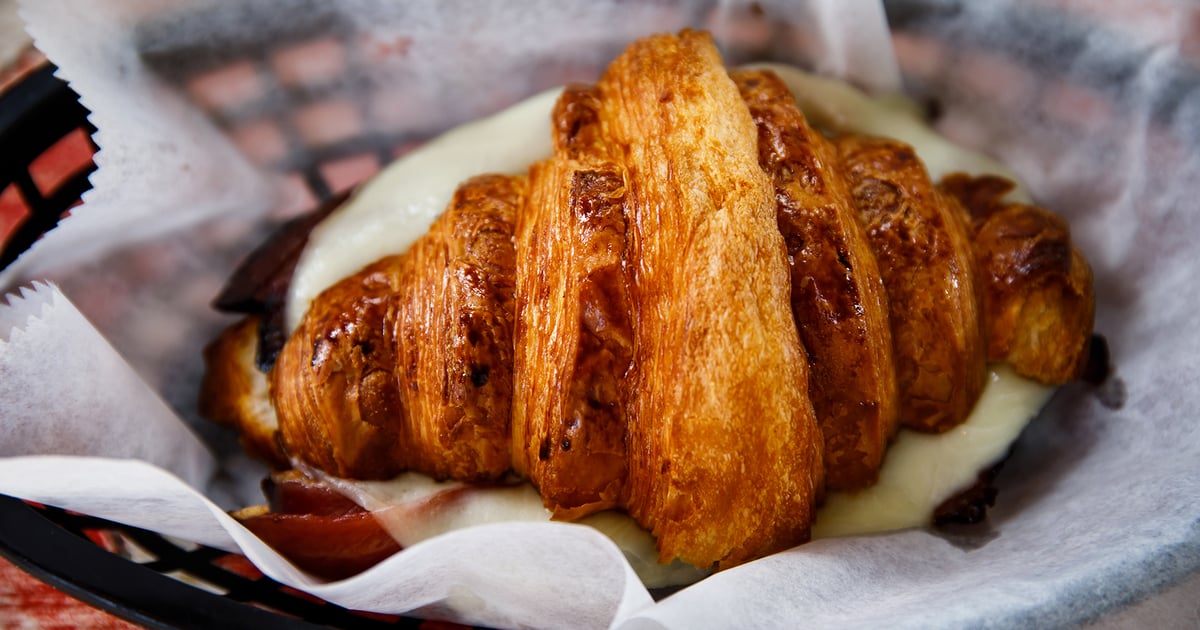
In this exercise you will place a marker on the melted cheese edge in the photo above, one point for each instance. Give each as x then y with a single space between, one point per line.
397 206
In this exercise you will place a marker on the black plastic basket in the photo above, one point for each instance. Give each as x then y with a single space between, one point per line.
161 588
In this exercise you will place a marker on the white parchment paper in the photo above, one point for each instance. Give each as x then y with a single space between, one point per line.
1102 121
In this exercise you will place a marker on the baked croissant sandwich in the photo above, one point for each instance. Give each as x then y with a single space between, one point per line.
699 310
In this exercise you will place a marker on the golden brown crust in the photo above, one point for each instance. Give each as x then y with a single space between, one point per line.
332 383
725 454
920 239
234 393
838 299
407 364
1039 302
573 330
454 333
577 131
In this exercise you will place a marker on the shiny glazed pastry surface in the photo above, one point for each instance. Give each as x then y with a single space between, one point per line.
408 363
1037 288
700 310
837 294
919 236
719 379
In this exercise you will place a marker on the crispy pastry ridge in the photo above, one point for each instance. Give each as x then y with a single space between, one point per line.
408 363
719 381
838 299
920 239
1038 296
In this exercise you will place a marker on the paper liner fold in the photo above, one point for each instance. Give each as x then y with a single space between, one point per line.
92 402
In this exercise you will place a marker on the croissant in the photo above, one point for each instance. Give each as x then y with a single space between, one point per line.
699 310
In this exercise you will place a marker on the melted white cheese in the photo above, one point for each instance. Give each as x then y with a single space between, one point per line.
921 470
397 206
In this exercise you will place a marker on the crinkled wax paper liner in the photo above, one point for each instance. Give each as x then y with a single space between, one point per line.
161 166
47 345
506 574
